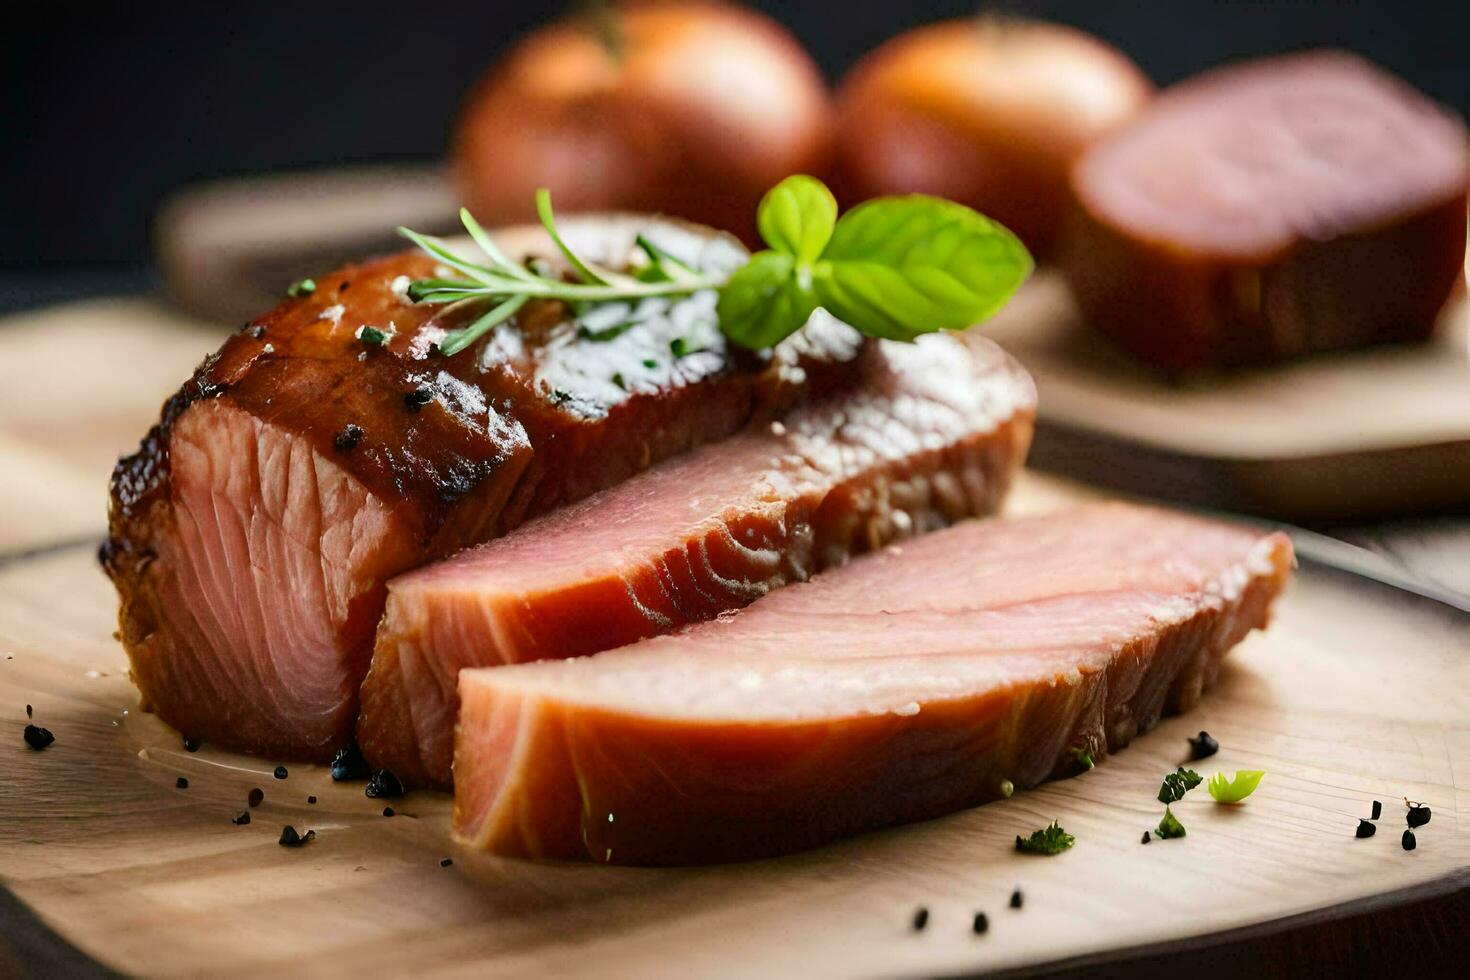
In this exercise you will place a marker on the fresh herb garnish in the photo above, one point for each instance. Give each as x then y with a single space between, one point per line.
300 288
893 267
1234 790
371 336
1177 783
1084 756
1051 839
1169 826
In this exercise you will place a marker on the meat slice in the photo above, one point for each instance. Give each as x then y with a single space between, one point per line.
934 675
933 435
1269 210
253 533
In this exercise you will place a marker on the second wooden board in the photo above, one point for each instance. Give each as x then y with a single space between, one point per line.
1354 435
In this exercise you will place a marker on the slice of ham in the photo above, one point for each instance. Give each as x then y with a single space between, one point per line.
933 435
1269 210
931 676
253 533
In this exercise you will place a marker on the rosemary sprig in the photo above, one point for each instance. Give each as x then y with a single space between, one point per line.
509 285
893 267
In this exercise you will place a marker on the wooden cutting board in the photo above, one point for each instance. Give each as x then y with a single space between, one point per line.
1357 693
1359 435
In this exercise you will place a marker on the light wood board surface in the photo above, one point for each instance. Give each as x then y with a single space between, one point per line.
1356 693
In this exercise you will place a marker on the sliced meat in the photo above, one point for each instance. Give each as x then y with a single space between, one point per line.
933 435
299 469
930 676
1269 210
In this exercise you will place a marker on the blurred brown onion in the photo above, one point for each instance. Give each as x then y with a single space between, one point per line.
990 112
691 109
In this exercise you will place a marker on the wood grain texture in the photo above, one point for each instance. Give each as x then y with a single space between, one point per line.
1356 693
1352 695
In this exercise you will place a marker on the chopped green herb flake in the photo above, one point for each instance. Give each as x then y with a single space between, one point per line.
1169 826
1051 839
1084 756
372 336
300 288
617 379
650 363
1177 783
1234 790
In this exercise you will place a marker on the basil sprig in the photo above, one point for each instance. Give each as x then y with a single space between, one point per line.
893 267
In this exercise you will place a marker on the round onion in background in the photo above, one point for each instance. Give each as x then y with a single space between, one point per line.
988 111
689 109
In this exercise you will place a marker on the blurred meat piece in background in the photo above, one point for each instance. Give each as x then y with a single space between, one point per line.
688 109
1269 210
990 111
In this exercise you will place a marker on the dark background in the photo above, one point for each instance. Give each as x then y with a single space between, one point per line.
103 114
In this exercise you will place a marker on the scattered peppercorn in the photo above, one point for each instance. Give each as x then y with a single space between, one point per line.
1146 837
1202 746
1409 842
418 398
311 800
921 918
256 797
191 744
346 441
290 838
242 819
1017 899
388 811
30 712
981 925
342 286
383 784
1418 814
181 783
1365 829
38 738
445 862
1377 809
348 763
280 772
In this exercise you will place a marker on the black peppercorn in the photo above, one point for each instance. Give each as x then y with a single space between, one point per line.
1377 809
1146 838
280 772
1365 829
981 925
418 398
1418 815
38 738
181 783
383 784
242 819
445 862
388 811
921 918
348 763
1017 899
256 797
191 744
1409 842
1203 746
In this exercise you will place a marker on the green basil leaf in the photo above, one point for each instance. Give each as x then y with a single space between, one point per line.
797 217
765 301
898 267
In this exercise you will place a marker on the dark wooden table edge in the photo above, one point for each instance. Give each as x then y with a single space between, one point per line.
1335 940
